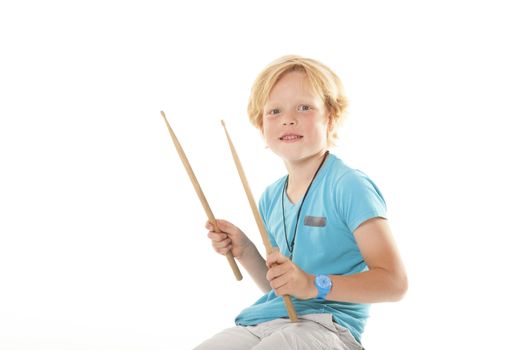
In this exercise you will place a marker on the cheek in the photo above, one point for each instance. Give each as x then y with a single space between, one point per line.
321 133
263 134
268 128
264 129
266 132
320 127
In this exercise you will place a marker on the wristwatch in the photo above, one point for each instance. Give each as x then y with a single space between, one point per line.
323 283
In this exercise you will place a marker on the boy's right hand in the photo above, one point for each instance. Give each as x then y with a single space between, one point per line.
230 239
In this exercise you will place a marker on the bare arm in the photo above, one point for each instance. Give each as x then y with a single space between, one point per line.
386 278
384 281
233 239
254 263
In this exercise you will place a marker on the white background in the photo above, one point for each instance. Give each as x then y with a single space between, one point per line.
102 244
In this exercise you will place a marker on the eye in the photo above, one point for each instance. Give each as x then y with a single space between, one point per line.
303 108
273 111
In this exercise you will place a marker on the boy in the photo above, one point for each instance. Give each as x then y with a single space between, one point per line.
336 253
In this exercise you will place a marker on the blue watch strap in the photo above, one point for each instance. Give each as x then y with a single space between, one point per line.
323 283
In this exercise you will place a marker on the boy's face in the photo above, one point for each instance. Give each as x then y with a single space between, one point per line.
295 124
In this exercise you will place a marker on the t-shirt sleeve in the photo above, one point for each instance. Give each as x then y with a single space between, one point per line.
358 199
263 210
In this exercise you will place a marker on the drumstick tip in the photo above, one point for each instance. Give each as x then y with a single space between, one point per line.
162 113
222 122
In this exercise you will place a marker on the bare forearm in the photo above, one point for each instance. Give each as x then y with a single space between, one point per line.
376 285
254 263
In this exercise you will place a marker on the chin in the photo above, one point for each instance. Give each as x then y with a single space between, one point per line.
293 155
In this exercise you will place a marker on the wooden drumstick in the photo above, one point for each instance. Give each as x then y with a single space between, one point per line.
202 198
267 245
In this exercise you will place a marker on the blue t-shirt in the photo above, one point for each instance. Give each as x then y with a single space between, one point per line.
339 200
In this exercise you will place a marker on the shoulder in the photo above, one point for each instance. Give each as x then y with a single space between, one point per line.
272 192
346 177
355 196
350 183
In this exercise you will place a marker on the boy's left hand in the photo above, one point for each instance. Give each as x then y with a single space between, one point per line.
286 278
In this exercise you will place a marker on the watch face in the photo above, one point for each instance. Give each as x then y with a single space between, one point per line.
323 282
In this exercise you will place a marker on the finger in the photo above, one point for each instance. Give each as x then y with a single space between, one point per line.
276 271
225 250
217 237
225 226
280 285
275 258
222 244
284 290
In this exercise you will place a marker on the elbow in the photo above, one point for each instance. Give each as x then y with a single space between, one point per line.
400 287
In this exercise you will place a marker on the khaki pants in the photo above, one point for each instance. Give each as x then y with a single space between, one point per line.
315 331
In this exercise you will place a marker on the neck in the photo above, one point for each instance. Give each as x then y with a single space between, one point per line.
300 173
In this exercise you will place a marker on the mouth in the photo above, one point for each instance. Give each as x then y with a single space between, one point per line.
290 137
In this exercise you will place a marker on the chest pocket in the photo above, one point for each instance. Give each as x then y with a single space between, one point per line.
315 221
313 232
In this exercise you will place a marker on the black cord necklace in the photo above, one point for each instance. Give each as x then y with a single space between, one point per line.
285 187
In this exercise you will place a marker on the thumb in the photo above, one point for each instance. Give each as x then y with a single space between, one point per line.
275 257
224 225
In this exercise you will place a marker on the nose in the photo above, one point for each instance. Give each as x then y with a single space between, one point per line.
288 119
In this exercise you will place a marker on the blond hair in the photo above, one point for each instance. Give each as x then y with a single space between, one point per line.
322 79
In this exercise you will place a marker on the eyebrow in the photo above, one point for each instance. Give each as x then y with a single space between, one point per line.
302 99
